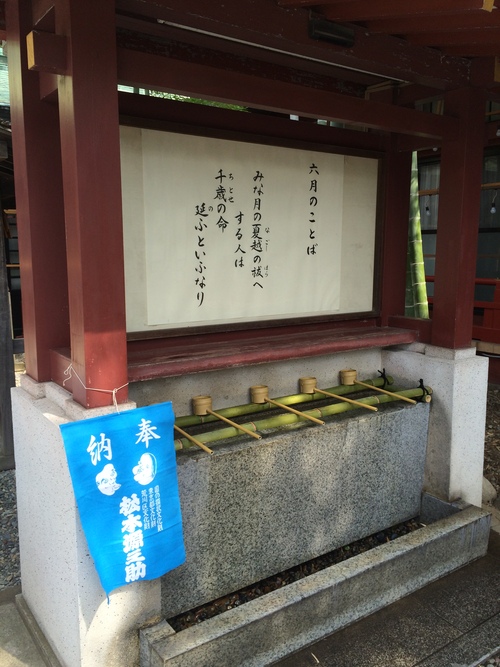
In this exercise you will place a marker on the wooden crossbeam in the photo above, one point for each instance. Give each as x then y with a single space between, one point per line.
365 10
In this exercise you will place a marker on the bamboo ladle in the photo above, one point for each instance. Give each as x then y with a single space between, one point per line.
348 377
202 405
308 386
259 394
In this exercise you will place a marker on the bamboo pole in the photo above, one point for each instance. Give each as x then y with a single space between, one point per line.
196 442
284 420
292 399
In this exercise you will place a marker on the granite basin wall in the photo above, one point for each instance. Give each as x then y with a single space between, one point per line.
255 508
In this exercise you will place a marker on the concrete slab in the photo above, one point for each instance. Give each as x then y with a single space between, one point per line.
466 602
270 627
17 648
413 631
463 651
399 635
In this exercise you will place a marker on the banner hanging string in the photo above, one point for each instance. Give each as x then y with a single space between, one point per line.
70 371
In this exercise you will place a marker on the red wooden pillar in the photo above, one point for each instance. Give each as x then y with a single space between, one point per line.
90 149
395 239
39 202
458 221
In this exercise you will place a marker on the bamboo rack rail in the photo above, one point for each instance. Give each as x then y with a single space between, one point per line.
253 408
290 419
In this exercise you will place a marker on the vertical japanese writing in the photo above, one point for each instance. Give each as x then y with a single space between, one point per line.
98 447
152 507
158 507
146 432
200 268
223 197
257 246
218 216
312 242
133 538
145 509
239 262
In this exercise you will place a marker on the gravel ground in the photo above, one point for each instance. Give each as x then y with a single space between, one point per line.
492 438
491 662
10 574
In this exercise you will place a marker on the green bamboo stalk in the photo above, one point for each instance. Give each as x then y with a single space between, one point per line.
417 304
252 408
288 419
409 295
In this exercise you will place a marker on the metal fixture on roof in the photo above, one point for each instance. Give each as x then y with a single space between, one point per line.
328 31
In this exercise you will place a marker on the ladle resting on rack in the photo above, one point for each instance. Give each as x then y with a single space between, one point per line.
259 394
348 377
308 386
202 405
196 442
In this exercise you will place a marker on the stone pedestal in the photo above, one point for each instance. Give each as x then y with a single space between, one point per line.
59 581
459 379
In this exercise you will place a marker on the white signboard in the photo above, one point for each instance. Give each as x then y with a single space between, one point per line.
219 231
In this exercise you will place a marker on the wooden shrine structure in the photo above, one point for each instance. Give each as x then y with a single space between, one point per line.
67 59
109 156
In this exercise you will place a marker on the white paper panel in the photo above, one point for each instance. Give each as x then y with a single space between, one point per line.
219 231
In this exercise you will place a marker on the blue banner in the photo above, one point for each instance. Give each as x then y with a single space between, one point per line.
123 470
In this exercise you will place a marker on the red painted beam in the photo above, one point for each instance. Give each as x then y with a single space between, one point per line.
187 78
459 207
395 235
90 148
364 10
473 50
486 334
40 215
185 356
423 327
183 117
438 22
459 37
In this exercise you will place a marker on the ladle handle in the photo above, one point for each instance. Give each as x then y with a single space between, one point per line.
240 428
193 440
348 400
296 412
389 393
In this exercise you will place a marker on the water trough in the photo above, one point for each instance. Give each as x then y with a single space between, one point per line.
256 508
266 629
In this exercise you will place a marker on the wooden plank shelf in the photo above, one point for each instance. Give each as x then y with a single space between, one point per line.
188 355
183 355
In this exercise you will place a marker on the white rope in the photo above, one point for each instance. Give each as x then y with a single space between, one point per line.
70 371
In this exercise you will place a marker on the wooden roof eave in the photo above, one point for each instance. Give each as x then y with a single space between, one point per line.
266 25
192 79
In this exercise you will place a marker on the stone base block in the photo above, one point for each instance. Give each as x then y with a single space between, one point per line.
265 630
